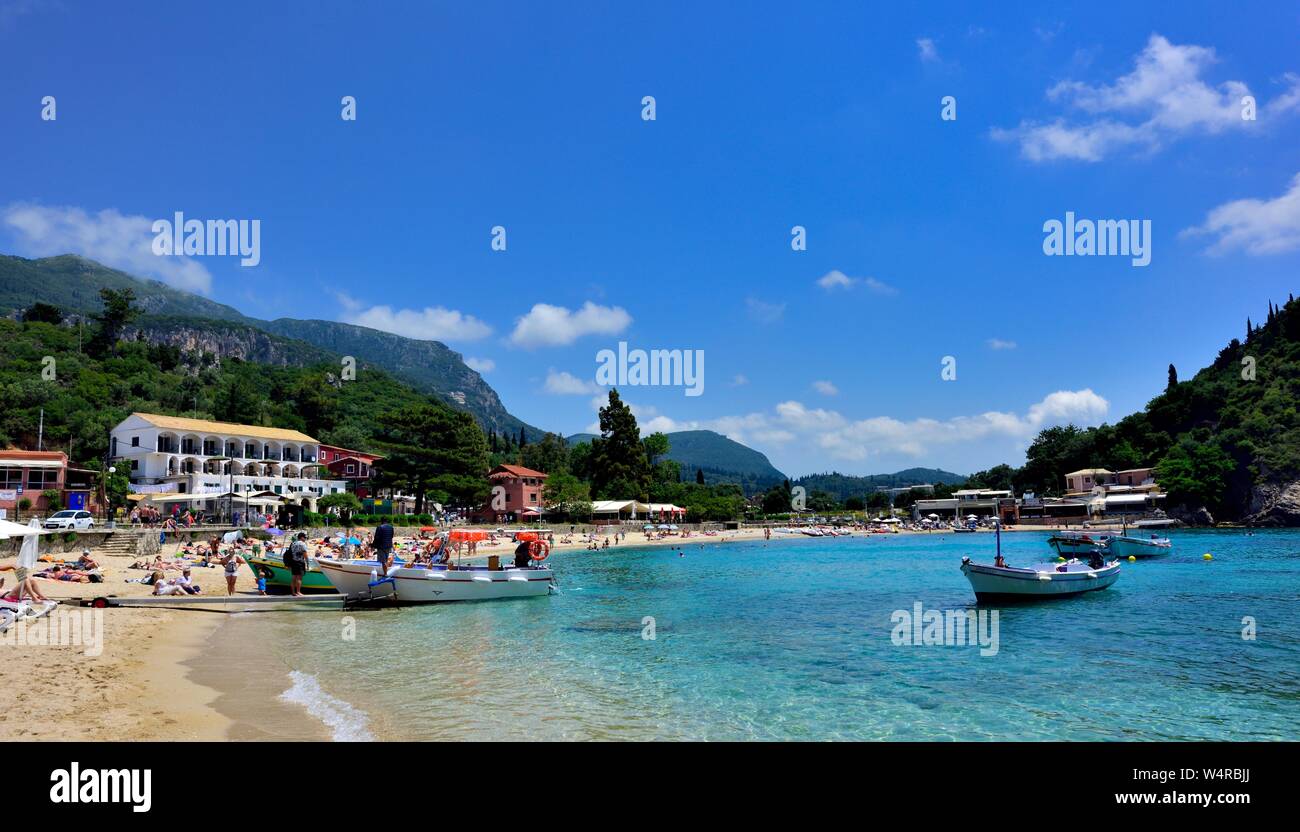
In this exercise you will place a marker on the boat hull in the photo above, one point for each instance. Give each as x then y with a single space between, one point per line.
278 577
992 583
1136 547
419 585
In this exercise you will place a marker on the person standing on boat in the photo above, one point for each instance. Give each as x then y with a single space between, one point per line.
522 555
383 543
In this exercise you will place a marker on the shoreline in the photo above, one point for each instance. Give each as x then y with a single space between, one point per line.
166 674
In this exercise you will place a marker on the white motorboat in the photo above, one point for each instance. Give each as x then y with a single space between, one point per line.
416 583
1125 546
427 584
1043 580
999 582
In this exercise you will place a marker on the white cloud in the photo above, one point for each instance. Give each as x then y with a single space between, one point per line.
826 388
823 431
764 312
119 240
567 384
740 380
1257 226
1163 98
432 323
999 344
836 279
551 326
480 365
927 51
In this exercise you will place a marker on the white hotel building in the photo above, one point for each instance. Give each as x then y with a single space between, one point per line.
168 455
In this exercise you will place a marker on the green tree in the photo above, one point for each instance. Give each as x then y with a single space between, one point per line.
568 496
118 312
619 469
1195 474
345 503
550 454
42 313
433 451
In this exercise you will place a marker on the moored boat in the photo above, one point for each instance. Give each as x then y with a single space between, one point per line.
1069 544
424 583
1125 546
1043 580
1000 582
277 576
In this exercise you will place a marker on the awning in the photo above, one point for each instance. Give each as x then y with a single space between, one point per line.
1126 500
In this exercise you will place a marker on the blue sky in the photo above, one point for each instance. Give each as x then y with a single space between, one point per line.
675 233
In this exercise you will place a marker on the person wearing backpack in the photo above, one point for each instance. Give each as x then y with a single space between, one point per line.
295 560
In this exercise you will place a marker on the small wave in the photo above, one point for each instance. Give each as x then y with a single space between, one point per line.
346 723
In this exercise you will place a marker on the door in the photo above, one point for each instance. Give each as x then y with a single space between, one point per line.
76 500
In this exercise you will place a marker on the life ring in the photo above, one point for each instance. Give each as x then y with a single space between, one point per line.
539 550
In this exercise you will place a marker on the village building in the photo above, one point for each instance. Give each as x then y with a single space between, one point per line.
30 474
193 462
354 468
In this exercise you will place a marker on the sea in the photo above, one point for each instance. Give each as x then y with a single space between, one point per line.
795 639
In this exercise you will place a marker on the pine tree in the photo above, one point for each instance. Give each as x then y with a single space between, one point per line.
620 470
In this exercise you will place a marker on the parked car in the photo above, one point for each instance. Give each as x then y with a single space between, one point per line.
70 519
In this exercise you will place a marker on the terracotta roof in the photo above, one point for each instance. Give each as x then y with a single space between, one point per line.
205 426
515 470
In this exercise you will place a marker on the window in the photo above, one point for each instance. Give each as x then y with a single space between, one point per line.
11 478
135 465
135 441
532 498
43 478
351 469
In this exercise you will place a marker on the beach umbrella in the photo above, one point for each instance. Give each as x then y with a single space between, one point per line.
664 526
27 554
933 517
467 535
355 541
274 532
672 526
8 529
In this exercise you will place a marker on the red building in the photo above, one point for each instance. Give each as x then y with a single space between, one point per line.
29 474
517 492
353 467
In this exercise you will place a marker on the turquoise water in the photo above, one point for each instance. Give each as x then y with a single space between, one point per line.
792 640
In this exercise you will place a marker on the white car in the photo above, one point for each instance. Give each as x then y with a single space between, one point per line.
70 520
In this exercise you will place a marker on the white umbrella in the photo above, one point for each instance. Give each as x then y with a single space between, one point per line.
31 544
8 529
933 517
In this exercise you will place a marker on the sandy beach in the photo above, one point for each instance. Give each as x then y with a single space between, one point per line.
154 677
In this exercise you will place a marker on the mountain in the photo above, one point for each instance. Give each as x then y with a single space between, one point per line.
843 486
723 460
186 320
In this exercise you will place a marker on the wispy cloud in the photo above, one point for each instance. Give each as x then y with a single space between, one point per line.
740 380
836 279
764 312
480 365
999 344
432 323
1256 226
123 241
567 384
551 326
927 51
1162 99
826 388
